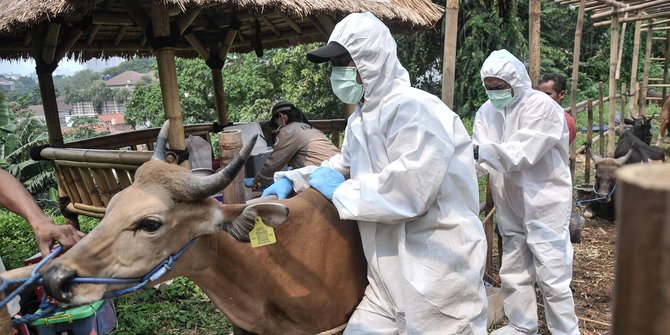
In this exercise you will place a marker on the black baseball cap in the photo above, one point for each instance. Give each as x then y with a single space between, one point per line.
326 52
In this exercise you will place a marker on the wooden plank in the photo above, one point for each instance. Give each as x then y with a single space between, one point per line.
50 42
614 48
534 9
645 73
575 76
449 52
90 186
634 85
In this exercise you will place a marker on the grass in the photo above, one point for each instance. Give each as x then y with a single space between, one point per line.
178 308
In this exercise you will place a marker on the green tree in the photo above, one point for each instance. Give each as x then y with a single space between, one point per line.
37 176
84 127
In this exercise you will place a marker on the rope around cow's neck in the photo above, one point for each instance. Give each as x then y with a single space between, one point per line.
604 197
48 308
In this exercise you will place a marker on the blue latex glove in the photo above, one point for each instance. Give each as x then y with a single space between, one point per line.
281 188
326 181
249 182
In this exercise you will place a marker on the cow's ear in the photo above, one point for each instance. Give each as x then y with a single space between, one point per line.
272 215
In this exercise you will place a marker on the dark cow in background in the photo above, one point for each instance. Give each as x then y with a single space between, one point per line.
605 185
633 147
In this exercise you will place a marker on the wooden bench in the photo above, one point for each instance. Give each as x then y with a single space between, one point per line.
91 171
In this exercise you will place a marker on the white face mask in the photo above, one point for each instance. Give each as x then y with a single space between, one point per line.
500 98
344 84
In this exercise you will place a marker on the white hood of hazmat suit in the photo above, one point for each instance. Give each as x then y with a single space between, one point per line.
413 191
524 147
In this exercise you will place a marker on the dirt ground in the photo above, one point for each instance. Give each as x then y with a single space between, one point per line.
593 277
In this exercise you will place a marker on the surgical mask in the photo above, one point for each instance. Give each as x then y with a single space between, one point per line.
345 86
500 98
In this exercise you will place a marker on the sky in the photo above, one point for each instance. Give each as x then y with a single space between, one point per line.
67 67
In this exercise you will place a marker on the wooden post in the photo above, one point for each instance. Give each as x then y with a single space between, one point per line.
348 110
575 77
51 116
601 108
589 137
488 229
534 40
167 76
623 108
614 48
645 71
230 144
634 87
449 56
666 59
220 96
641 292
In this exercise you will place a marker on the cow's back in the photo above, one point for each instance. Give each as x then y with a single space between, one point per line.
309 281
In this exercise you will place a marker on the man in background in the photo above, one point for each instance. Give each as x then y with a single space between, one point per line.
554 86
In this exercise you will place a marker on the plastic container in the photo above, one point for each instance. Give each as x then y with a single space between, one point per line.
97 318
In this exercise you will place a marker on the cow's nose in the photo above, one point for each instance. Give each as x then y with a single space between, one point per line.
56 281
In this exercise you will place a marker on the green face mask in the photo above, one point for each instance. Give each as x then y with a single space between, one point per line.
500 98
345 86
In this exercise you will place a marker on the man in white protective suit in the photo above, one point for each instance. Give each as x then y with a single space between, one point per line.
412 187
521 140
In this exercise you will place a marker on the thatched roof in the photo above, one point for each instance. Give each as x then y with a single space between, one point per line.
110 27
602 11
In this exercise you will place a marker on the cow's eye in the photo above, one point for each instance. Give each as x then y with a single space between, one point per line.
149 225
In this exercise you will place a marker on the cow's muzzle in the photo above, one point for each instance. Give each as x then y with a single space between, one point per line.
57 283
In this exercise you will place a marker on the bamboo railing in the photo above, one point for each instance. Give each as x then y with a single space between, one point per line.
92 171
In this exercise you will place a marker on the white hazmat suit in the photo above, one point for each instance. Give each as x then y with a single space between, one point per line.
524 147
413 191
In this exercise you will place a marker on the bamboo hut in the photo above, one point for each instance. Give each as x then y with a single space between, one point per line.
51 30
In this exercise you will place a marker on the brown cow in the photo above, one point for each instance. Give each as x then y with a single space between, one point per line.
665 119
309 281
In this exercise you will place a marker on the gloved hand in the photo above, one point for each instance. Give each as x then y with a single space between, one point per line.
249 182
281 188
326 181
475 151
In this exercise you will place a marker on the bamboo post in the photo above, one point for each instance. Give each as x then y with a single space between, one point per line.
449 57
633 71
220 96
534 40
589 137
620 50
48 92
614 48
601 110
488 229
230 144
645 71
641 292
575 77
348 110
167 76
623 108
666 59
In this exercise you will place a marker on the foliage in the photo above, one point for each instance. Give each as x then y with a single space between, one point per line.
86 86
85 127
175 309
37 176
251 86
145 108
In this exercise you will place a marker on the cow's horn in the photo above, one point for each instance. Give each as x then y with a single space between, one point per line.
161 140
200 187
623 159
596 159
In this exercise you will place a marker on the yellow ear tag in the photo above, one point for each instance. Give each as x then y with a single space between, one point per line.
261 234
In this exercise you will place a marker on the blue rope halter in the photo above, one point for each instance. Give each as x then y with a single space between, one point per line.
48 308
604 197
